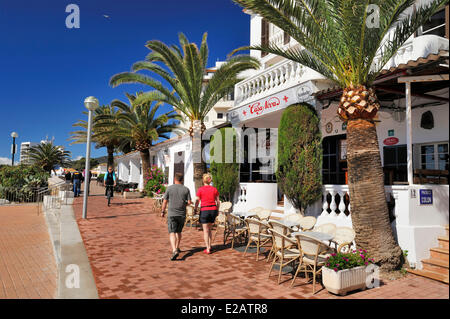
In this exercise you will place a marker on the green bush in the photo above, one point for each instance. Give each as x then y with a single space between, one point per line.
155 182
299 172
22 180
100 177
225 176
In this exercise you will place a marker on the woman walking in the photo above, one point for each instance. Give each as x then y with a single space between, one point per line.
209 198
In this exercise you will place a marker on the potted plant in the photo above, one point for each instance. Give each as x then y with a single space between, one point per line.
344 272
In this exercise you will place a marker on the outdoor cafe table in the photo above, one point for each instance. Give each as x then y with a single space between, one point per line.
244 214
314 234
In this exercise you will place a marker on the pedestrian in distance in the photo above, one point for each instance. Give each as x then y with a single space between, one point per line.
177 197
76 181
208 196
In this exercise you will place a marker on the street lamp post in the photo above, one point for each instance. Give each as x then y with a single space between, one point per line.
14 135
91 103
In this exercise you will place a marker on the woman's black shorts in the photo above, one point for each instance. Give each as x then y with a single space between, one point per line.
208 216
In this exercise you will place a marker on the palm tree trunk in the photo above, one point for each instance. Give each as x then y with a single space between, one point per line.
110 150
197 150
145 157
369 209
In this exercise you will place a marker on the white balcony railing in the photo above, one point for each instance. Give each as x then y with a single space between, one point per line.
336 207
278 77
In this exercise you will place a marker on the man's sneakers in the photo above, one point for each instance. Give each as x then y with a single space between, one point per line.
175 254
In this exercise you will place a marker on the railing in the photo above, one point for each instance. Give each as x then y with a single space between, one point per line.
279 76
336 206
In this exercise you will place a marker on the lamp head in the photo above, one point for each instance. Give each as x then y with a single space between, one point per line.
91 103
14 135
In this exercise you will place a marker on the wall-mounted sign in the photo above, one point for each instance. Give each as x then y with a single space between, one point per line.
390 141
391 133
426 196
329 127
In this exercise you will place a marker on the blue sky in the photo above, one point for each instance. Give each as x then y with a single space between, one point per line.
47 69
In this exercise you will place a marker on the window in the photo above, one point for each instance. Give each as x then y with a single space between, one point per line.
333 168
395 164
436 25
220 115
264 35
434 156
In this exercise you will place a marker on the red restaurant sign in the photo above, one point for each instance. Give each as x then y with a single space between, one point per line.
390 141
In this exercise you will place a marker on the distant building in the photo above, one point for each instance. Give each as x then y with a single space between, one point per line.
24 147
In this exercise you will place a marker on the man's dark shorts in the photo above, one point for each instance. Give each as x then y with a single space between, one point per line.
208 216
175 223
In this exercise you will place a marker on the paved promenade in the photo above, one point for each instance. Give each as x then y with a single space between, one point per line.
128 248
27 264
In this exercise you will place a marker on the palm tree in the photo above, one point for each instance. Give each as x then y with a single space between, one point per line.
338 41
103 136
190 95
138 126
47 156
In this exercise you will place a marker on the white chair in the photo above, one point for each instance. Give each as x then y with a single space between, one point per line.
343 239
327 228
307 223
257 233
296 218
314 254
286 251
264 214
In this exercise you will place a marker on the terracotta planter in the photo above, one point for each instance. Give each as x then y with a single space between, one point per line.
343 281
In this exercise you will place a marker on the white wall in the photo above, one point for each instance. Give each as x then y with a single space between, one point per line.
438 134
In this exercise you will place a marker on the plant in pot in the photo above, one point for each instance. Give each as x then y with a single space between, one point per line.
344 272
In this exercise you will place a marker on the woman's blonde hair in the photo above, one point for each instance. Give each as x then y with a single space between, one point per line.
207 178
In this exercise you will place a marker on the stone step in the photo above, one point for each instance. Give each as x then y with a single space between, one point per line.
443 242
430 274
435 265
439 253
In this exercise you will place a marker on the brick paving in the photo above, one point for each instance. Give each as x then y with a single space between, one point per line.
27 265
128 248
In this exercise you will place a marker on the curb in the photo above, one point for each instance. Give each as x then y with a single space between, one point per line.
75 277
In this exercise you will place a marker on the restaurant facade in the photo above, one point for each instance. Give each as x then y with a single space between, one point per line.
412 127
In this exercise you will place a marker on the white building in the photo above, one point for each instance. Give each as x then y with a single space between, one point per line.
408 139
24 147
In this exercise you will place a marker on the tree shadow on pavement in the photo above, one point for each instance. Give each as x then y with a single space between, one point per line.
122 215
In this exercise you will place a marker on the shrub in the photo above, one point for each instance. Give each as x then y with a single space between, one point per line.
22 180
155 182
348 260
100 177
299 172
225 176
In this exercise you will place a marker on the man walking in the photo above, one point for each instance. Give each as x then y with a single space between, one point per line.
76 181
178 196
